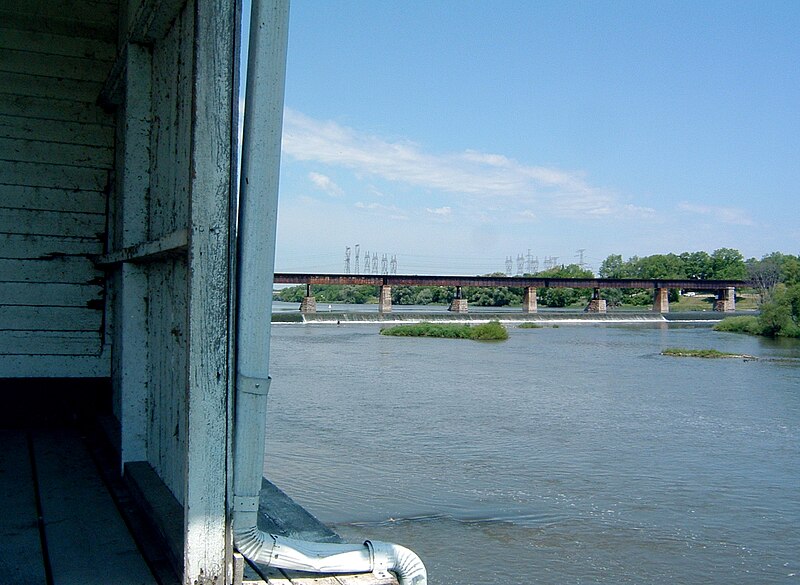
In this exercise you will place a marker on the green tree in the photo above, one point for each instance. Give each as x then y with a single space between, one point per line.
780 315
614 267
564 297
697 265
763 275
728 264
659 266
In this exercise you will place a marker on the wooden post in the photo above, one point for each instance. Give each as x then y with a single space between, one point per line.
131 361
207 443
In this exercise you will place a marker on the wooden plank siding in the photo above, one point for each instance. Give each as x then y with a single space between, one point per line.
56 159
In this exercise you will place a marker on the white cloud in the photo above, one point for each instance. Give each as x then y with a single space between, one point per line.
443 211
326 184
469 173
728 215
388 211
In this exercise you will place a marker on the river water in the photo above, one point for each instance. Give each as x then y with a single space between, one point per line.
570 454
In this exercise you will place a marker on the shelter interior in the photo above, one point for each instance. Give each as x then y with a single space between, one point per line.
117 120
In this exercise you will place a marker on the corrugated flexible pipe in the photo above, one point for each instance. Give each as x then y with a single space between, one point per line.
258 205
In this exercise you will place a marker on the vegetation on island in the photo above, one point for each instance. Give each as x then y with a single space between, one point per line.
492 331
722 264
529 326
779 315
702 353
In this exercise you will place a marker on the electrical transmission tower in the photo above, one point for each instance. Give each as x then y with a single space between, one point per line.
581 263
548 262
393 264
535 265
375 263
520 264
384 264
357 271
366 263
509 265
347 260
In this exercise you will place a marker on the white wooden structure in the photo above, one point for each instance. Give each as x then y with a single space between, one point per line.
118 265
56 167
116 131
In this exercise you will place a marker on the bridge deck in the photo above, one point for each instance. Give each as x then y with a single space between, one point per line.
503 281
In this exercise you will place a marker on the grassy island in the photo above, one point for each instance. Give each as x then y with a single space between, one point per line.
703 353
529 326
492 331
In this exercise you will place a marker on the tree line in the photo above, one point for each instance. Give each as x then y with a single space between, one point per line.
722 264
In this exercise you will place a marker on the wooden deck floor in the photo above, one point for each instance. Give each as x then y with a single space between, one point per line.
60 525
58 522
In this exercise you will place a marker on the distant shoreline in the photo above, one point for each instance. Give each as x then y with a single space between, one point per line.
628 317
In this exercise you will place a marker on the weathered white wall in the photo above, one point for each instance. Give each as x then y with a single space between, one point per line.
56 155
169 258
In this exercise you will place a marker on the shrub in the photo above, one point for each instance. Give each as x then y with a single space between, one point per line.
744 324
492 331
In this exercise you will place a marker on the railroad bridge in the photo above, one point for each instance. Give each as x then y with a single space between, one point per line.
725 290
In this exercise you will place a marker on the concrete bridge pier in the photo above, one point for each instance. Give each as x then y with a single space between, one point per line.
726 300
309 303
459 303
596 304
529 301
385 299
661 300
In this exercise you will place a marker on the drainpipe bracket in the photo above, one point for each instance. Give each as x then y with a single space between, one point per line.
380 567
257 386
245 503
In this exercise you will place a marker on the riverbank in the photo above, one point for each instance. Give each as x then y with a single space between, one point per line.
554 317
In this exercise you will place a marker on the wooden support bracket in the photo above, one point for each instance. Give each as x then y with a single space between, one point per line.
169 246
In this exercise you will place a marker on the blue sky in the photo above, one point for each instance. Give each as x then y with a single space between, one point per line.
456 134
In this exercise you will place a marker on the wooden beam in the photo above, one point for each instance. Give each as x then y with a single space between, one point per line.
171 245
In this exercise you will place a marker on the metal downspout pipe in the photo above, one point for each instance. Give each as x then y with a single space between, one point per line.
258 206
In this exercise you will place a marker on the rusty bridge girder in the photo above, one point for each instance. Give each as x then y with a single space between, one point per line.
504 281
